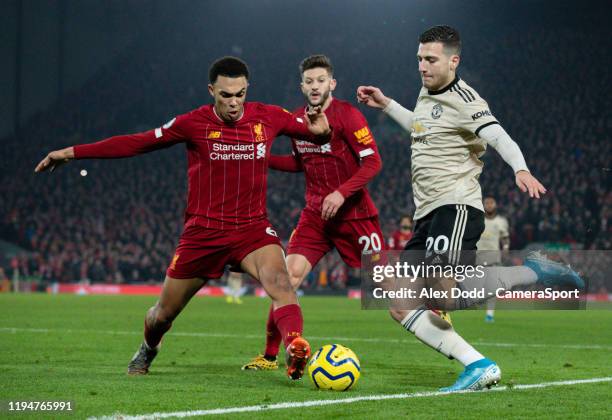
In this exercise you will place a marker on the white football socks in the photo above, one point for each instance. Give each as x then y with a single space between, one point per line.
491 307
438 334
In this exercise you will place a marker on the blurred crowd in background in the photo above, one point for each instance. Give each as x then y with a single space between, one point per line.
121 222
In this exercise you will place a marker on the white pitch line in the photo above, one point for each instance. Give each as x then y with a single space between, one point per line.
319 403
334 339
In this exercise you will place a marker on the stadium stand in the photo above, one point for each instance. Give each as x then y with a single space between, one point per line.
119 224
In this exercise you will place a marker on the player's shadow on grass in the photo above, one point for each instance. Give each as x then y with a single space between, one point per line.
228 372
410 374
218 370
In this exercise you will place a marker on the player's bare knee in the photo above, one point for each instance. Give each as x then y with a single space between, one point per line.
295 280
282 291
297 269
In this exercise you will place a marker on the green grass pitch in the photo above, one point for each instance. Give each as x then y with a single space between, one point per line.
76 348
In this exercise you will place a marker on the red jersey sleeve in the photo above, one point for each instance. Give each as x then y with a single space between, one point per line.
285 163
174 131
295 126
357 134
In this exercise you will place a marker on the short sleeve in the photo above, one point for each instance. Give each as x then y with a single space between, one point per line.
504 228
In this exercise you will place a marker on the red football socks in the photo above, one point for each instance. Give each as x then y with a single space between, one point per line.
273 336
289 322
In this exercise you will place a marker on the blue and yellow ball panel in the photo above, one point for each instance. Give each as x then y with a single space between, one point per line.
334 367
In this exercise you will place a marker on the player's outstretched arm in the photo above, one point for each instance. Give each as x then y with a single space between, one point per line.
311 126
54 159
529 183
173 132
372 97
496 137
375 98
285 163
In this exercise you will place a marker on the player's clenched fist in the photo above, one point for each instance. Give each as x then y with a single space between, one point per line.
55 159
372 96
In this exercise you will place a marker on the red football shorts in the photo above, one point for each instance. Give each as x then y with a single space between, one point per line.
204 253
313 238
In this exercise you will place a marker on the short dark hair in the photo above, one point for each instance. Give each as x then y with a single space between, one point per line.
316 61
449 37
228 66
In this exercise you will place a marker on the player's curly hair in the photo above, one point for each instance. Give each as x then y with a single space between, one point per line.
228 66
449 37
317 61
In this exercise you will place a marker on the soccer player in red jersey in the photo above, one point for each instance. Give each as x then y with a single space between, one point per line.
228 147
400 237
339 211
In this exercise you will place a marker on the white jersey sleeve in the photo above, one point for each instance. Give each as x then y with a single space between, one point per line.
504 229
401 115
474 114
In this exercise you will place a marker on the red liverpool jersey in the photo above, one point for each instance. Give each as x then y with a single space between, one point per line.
340 164
227 161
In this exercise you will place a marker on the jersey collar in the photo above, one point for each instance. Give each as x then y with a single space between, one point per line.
441 91
229 122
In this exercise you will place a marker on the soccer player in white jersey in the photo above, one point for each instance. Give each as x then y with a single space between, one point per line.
450 128
494 240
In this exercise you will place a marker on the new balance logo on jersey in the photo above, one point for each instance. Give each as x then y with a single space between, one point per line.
271 231
261 150
214 135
